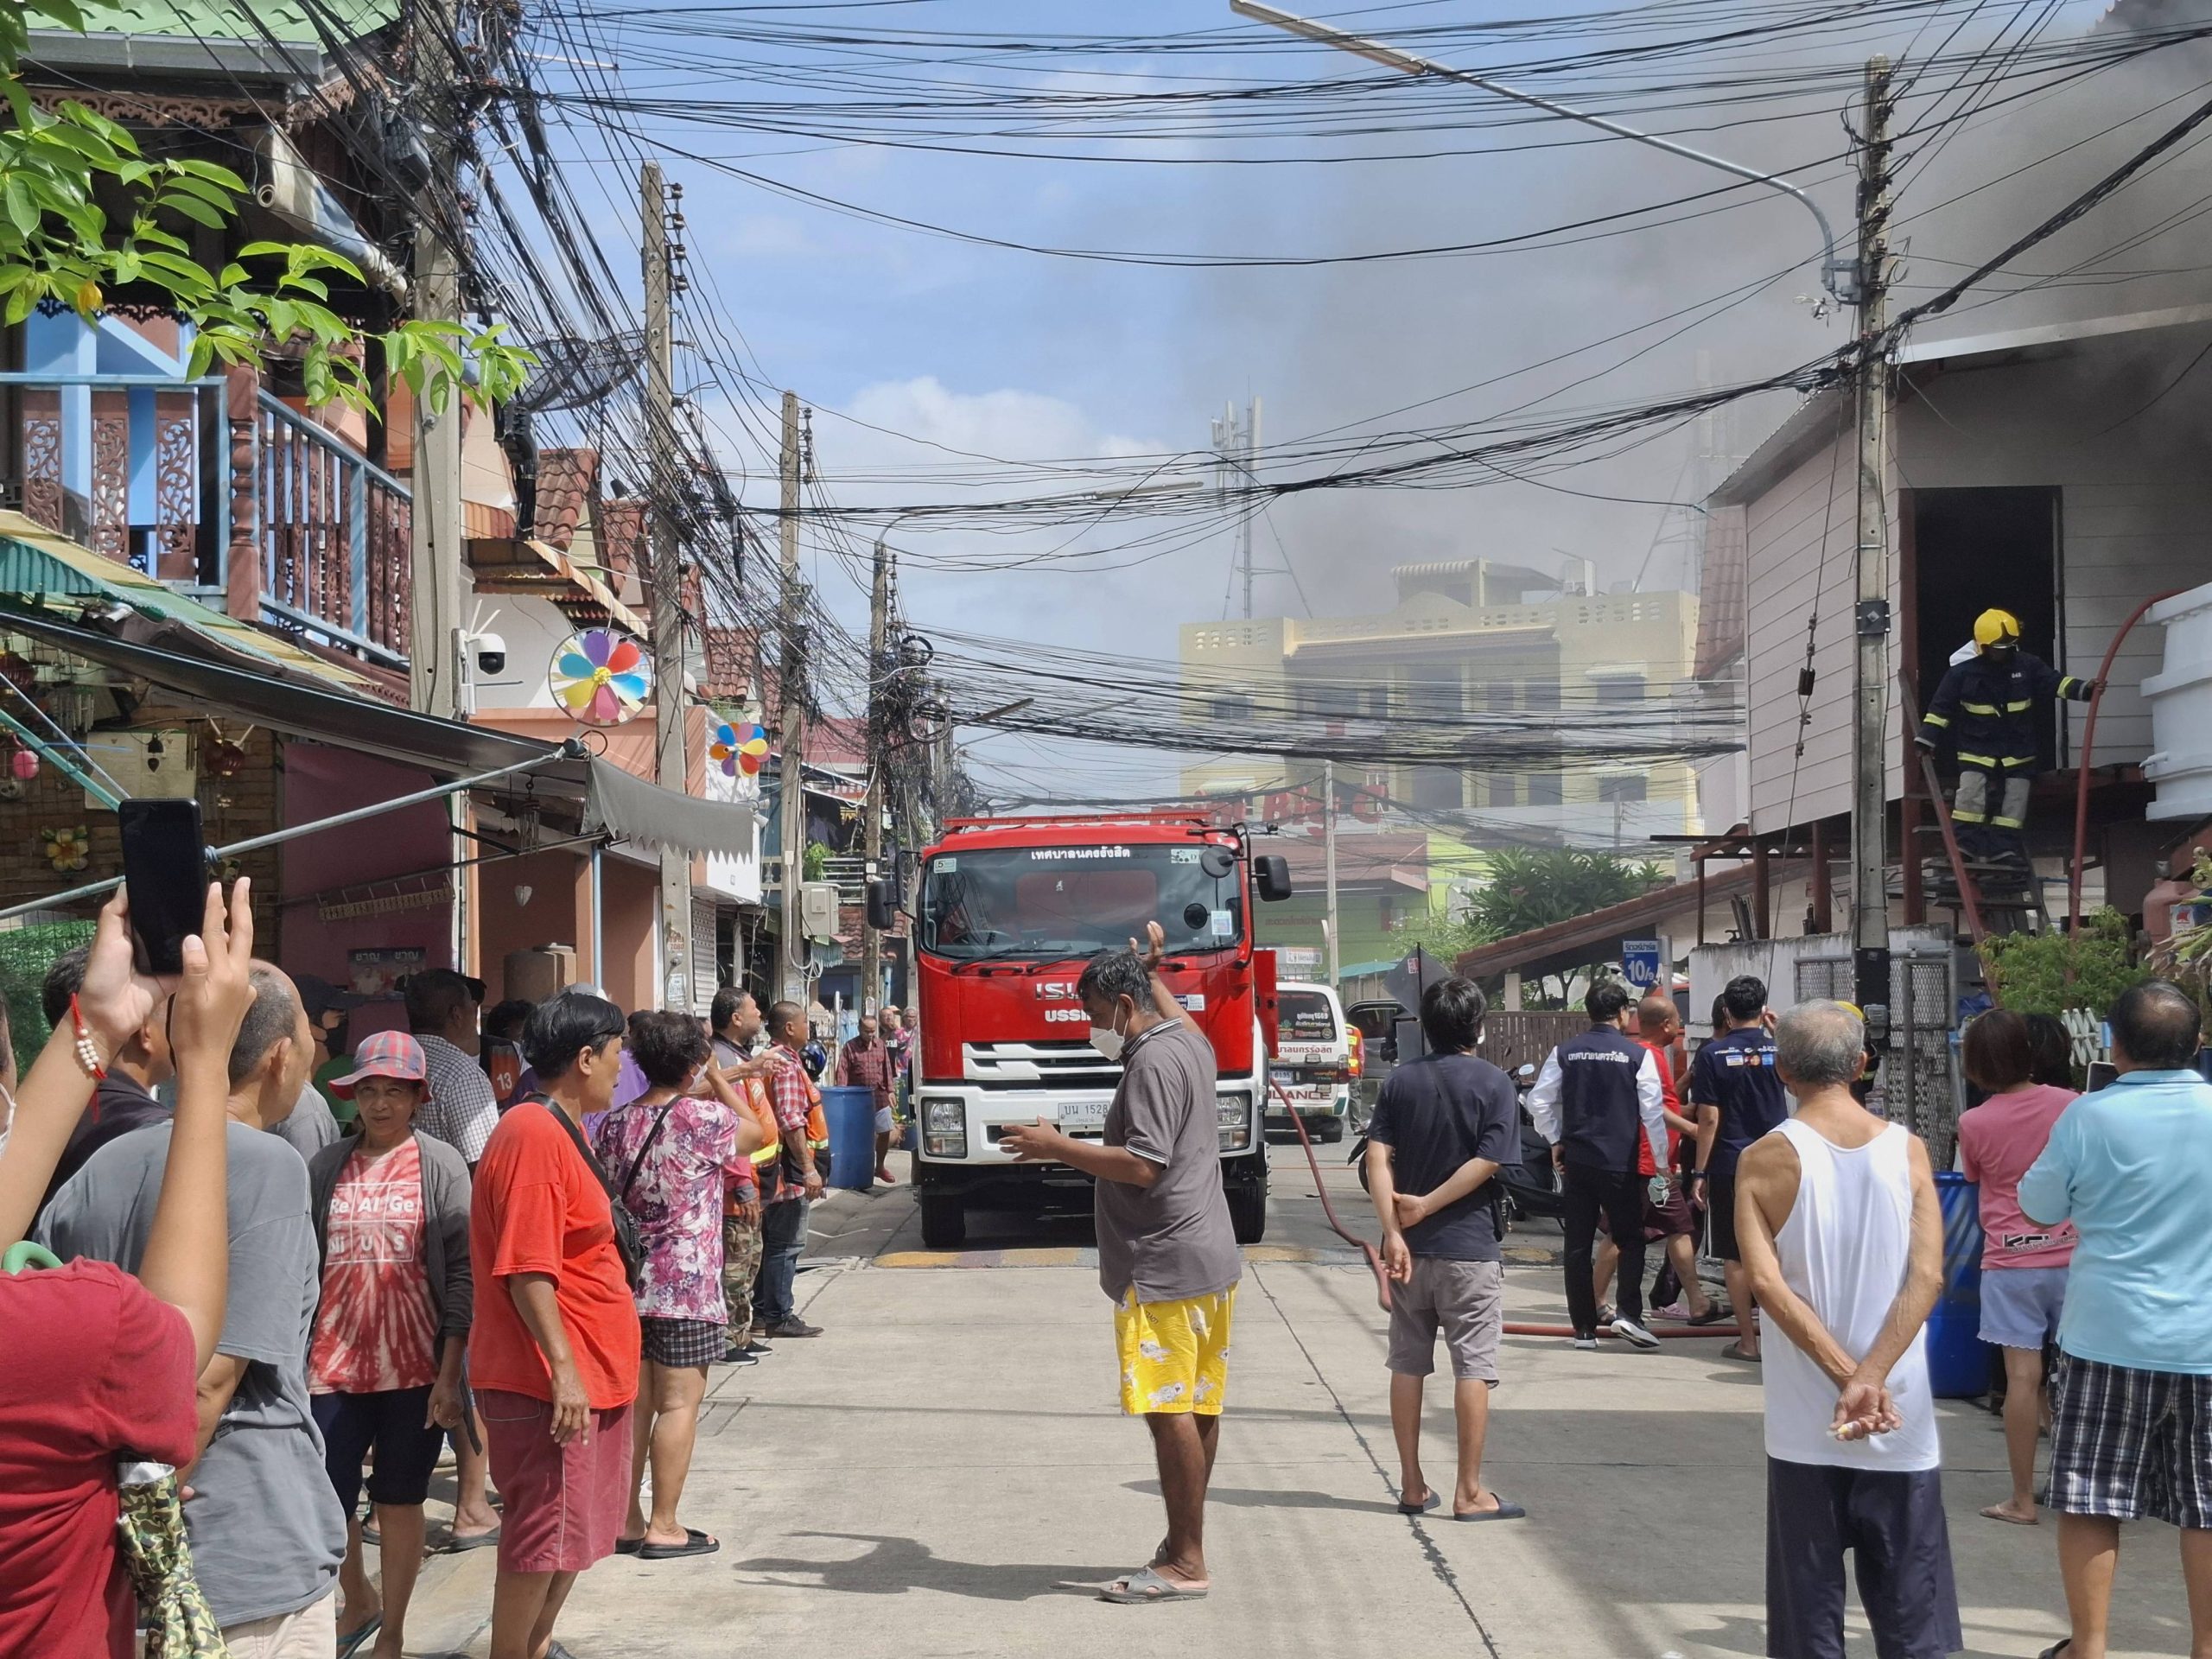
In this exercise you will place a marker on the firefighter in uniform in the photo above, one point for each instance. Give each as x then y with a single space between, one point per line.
1985 707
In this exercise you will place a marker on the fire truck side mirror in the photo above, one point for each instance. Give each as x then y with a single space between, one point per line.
1271 874
882 906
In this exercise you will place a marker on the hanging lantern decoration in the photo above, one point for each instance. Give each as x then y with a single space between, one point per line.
22 766
739 748
67 849
602 676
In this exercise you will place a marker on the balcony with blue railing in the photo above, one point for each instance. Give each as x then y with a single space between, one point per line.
213 485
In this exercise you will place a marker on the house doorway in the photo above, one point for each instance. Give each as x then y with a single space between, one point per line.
1979 548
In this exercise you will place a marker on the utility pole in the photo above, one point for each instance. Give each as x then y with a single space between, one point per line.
1237 443
878 763
1329 858
667 575
1870 900
790 973
433 653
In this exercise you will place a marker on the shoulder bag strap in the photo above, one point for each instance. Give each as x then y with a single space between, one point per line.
638 1162
576 1140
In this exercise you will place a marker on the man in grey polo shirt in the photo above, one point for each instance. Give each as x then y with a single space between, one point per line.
1166 1254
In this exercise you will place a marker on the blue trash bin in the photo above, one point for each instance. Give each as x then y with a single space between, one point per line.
1958 1360
850 1113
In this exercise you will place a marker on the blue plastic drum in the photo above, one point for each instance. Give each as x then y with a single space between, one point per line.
850 1113
1958 1359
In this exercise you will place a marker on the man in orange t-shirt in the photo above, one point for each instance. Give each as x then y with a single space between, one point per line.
555 1349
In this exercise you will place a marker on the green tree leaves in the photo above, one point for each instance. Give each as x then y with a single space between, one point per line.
57 243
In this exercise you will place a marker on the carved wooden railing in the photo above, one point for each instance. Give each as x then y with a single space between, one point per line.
217 486
332 530
124 463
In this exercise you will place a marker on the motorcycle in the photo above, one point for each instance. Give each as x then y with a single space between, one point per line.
1532 1187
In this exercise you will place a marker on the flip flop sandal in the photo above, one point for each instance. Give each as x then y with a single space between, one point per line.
1145 1586
350 1644
1433 1501
696 1543
1711 1316
458 1546
1992 1513
2058 1649
1735 1351
1504 1511
628 1546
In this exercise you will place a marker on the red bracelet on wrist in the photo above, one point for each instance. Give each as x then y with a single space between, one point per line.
88 1052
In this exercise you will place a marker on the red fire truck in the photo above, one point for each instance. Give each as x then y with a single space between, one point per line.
1008 913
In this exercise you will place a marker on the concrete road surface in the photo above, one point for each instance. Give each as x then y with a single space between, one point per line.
945 1472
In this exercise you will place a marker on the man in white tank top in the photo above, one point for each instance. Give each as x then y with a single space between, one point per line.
1837 1219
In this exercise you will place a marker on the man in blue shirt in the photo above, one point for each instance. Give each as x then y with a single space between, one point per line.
1736 1096
2131 1433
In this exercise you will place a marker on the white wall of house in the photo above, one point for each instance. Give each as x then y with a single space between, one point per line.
1802 531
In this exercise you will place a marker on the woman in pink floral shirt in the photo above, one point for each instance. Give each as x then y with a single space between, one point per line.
667 1154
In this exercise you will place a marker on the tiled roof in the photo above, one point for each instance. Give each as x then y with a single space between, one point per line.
732 656
566 482
622 536
228 20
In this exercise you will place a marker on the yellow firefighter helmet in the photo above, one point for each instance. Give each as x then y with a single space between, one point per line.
1996 628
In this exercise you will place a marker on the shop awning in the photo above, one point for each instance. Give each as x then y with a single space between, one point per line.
612 800
628 808
40 564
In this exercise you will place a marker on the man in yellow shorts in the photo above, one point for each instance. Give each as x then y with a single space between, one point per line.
1166 1254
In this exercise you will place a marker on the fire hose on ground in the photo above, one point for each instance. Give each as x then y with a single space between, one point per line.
1382 1279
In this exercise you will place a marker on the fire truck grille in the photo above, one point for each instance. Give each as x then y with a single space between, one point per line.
1028 1065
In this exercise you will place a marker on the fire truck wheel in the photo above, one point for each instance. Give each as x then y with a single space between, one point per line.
1248 1213
944 1221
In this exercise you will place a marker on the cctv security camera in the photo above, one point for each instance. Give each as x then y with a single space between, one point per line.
490 653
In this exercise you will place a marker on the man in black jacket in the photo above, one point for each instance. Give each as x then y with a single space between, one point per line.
1597 1093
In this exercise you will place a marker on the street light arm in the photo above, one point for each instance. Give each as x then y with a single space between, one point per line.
1833 267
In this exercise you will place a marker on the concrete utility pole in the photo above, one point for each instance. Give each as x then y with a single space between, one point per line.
436 590
1329 859
667 576
879 762
1870 901
790 972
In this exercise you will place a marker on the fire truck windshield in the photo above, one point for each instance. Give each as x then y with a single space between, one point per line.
1056 902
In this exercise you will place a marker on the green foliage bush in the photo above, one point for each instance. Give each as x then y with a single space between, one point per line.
2049 973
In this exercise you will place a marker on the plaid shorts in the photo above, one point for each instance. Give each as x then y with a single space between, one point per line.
2131 1445
683 1342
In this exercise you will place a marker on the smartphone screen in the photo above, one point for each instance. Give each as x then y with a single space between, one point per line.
2101 1072
165 869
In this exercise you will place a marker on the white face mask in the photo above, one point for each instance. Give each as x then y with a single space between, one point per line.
1107 1041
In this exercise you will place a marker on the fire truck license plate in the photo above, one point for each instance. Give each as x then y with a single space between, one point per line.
1082 1114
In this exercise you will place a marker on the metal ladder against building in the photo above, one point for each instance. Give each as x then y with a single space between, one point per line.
1989 897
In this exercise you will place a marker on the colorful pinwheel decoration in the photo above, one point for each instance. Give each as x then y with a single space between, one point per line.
738 749
602 676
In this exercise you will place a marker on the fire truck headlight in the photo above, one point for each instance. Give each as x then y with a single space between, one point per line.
944 1128
1235 1122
